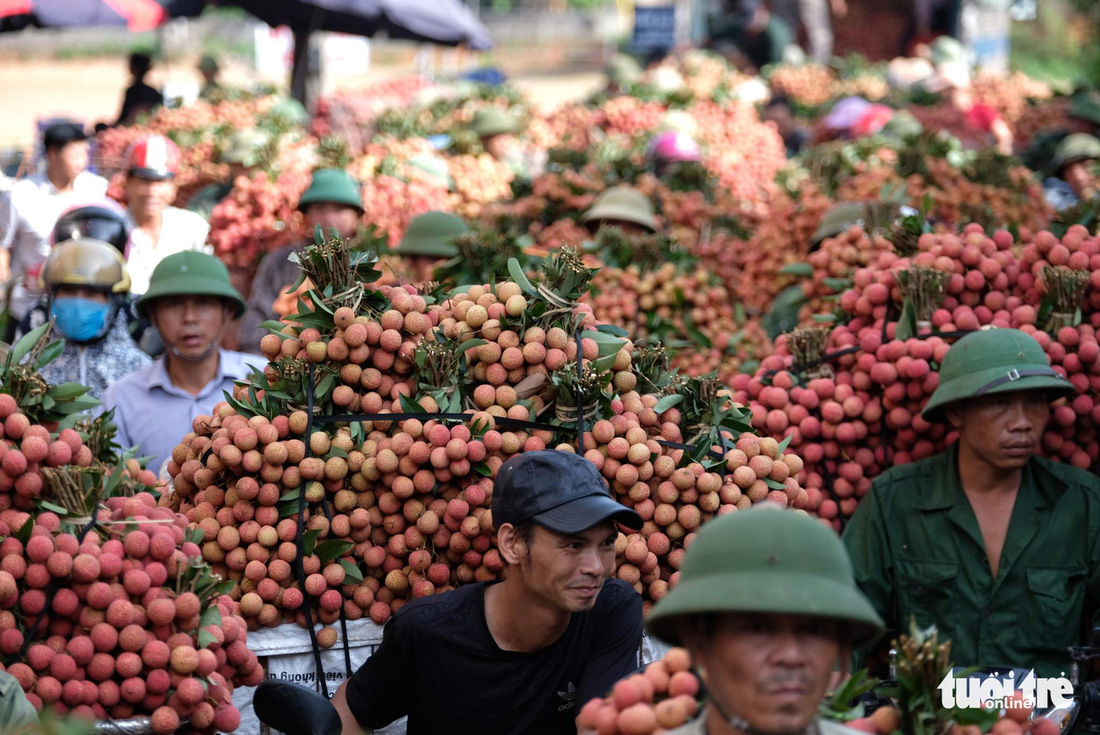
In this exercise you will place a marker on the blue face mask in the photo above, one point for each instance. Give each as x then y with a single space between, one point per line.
80 320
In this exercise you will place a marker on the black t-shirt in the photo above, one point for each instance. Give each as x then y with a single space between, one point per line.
439 664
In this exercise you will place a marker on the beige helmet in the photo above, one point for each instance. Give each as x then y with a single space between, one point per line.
85 262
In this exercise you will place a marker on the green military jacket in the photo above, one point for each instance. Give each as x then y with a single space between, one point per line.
917 551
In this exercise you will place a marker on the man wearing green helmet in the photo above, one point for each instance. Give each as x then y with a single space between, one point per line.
428 241
1073 171
498 130
769 609
333 201
191 302
209 69
996 547
622 72
624 207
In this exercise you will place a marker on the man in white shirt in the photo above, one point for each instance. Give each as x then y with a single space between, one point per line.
191 302
160 229
29 210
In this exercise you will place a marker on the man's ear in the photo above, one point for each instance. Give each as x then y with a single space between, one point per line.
512 548
845 659
953 413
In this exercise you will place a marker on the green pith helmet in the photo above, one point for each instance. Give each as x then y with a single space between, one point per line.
1085 106
838 220
992 361
1075 147
623 70
624 203
332 185
209 64
490 121
190 273
947 50
767 560
902 125
245 147
432 234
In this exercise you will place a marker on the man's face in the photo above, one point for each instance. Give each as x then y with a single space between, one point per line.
329 215
772 670
68 161
148 198
500 146
1078 174
190 324
780 115
422 267
569 571
1003 429
630 228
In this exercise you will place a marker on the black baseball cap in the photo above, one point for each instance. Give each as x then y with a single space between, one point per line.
60 134
558 490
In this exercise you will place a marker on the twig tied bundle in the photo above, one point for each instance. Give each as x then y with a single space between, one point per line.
1066 288
925 288
808 347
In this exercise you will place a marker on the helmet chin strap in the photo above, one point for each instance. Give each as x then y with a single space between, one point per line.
205 353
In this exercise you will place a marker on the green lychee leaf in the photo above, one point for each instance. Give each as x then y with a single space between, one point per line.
668 402
309 541
330 549
351 572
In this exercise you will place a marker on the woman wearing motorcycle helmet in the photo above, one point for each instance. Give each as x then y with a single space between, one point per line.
87 284
102 220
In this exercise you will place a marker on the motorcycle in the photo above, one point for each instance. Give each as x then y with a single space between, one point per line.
1079 716
293 709
1082 713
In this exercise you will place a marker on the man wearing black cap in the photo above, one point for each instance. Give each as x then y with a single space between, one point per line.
517 656
29 210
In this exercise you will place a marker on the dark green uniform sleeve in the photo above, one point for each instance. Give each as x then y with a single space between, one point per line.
869 549
1092 584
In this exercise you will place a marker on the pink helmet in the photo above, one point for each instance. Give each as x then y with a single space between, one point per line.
673 146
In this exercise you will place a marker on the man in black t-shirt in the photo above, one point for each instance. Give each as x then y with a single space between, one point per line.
514 657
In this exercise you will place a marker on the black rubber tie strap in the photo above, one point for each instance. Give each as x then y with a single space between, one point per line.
300 556
343 616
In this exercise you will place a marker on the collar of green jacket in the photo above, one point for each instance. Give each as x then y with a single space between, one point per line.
945 489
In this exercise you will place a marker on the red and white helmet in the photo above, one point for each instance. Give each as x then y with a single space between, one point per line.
153 157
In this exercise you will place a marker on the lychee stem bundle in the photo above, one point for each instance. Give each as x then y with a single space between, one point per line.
925 288
1066 288
808 345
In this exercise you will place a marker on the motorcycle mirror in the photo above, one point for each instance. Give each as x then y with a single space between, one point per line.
1094 638
295 710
